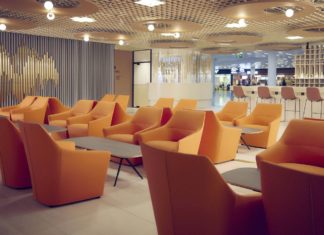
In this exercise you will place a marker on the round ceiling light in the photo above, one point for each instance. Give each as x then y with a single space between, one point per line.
86 38
3 27
50 16
48 5
177 35
289 12
151 27
121 42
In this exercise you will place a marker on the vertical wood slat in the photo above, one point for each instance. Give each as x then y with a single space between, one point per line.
85 69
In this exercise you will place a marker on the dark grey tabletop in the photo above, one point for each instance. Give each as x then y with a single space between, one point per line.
52 129
247 130
117 148
247 177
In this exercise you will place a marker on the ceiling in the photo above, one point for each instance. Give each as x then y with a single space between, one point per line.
200 22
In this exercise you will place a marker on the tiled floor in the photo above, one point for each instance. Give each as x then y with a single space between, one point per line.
125 209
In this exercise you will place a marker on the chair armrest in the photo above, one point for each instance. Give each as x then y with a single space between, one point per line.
65 144
20 110
8 108
80 119
244 120
35 115
239 117
152 127
96 126
160 133
277 153
123 128
59 116
190 144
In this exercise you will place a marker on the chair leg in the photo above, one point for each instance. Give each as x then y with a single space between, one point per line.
304 108
285 114
311 109
295 108
321 108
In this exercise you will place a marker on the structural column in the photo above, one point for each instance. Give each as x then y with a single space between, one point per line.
272 69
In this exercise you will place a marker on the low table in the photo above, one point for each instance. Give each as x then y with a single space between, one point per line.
247 177
121 150
53 129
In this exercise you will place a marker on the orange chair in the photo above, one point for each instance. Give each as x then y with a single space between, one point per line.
293 198
13 161
62 175
302 143
232 111
265 117
189 196
185 104
218 142
108 98
122 100
80 108
120 115
27 101
55 106
33 113
146 118
93 123
164 103
182 133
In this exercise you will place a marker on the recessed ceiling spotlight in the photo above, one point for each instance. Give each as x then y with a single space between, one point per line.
50 16
294 37
150 3
121 42
176 35
48 5
3 27
289 12
151 27
83 19
86 38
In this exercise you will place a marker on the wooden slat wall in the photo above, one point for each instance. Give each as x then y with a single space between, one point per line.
85 70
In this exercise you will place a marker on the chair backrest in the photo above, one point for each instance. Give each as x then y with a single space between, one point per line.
40 102
313 94
188 194
265 113
185 104
288 93
82 107
293 198
147 116
102 109
13 161
233 110
264 92
164 103
108 97
238 92
43 156
27 101
122 100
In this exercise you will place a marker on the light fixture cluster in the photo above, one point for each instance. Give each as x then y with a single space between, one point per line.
3 27
150 3
240 24
175 35
49 6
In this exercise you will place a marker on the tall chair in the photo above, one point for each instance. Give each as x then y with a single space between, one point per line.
299 208
288 93
122 100
13 161
185 104
189 196
164 103
62 175
239 94
313 95
27 101
264 94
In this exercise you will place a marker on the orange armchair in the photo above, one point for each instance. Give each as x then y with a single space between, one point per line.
232 111
265 117
93 123
33 113
27 101
61 175
122 100
219 143
80 108
13 161
182 133
164 103
185 104
146 118
189 196
302 143
293 198
108 98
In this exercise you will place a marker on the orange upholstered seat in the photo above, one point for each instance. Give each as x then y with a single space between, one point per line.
302 142
232 111
33 113
164 103
185 104
293 198
181 134
189 196
218 142
122 100
108 98
146 118
80 108
266 117
27 101
94 122
60 174
13 161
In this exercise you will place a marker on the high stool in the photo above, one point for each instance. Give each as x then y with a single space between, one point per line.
288 93
264 94
239 94
313 95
